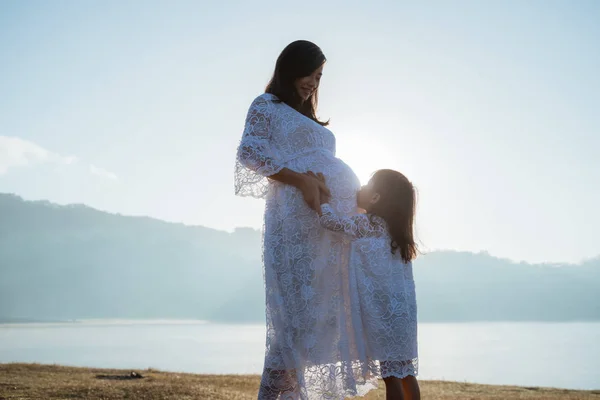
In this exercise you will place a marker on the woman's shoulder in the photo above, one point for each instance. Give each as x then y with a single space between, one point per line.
264 103
265 98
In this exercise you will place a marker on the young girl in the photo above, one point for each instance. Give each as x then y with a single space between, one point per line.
383 248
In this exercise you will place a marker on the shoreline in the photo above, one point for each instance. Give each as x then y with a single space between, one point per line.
191 321
34 381
107 321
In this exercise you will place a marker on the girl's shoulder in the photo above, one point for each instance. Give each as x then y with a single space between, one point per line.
372 225
376 220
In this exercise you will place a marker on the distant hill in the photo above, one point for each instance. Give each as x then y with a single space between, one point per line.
74 262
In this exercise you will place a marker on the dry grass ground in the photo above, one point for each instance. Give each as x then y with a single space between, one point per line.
50 382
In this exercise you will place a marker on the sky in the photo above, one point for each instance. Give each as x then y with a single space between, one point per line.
492 109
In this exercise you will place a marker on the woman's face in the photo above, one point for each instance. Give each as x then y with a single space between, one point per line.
306 86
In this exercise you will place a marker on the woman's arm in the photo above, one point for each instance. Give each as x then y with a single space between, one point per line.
312 188
258 157
256 152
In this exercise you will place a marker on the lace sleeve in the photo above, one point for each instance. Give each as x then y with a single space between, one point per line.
357 226
256 156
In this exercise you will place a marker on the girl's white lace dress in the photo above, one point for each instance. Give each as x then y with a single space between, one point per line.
315 346
386 291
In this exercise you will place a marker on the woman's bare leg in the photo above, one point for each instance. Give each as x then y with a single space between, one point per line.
267 389
276 382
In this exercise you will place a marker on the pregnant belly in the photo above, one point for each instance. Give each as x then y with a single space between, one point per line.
340 179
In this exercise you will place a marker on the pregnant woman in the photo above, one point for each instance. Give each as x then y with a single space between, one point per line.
314 345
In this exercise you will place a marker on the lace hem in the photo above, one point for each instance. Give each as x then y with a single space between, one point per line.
399 369
249 183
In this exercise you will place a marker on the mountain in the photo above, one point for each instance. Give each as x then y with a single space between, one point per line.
75 262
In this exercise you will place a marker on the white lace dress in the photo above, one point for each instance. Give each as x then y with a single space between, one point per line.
386 292
315 348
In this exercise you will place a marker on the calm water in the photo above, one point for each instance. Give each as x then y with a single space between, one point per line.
531 354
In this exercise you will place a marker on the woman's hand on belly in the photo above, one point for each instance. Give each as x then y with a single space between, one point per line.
310 186
315 192
324 197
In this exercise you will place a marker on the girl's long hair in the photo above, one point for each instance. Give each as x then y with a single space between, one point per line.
396 207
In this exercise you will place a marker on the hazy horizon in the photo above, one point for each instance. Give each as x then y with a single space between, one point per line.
258 229
126 267
490 108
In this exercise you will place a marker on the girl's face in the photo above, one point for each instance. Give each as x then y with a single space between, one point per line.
306 86
367 196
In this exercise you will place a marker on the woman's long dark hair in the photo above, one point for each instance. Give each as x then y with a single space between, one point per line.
396 206
298 60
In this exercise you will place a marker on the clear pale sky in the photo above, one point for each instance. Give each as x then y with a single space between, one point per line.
492 108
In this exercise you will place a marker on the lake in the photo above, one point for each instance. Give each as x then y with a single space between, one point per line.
564 355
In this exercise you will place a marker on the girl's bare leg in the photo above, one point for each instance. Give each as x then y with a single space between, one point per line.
410 387
393 388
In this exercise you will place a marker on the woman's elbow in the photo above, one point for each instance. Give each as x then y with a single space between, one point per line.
248 160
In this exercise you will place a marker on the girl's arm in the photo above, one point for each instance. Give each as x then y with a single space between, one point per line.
357 226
